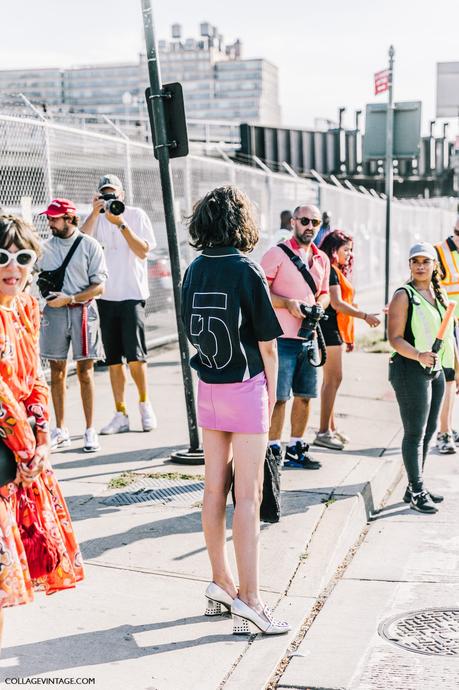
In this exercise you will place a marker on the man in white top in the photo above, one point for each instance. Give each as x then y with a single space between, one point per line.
126 240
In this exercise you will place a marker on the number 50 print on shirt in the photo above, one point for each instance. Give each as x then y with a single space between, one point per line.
210 334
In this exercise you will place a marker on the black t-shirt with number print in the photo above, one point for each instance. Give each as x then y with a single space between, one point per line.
226 310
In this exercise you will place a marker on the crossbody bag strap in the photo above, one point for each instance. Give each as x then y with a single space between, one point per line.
301 266
71 252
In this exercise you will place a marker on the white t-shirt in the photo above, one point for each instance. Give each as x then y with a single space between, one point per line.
127 274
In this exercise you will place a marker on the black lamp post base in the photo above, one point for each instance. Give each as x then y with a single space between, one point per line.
188 457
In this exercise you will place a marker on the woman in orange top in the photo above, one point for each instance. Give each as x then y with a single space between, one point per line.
338 329
24 394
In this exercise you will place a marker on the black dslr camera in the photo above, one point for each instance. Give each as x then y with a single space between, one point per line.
312 316
112 204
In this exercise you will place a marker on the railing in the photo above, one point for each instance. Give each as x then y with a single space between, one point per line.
40 160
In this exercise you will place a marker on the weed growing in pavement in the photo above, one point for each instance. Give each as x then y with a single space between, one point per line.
122 480
174 475
373 342
127 478
328 501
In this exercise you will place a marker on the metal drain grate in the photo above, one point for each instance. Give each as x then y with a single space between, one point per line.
429 631
148 490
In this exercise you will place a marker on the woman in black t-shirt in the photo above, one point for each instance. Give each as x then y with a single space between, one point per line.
337 330
228 316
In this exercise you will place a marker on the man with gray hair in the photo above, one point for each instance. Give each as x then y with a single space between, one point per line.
290 291
126 238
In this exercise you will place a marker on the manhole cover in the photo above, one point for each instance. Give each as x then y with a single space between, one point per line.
170 491
429 631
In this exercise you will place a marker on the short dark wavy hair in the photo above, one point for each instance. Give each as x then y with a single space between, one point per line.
223 218
14 230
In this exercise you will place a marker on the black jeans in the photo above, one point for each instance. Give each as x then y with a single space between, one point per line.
419 399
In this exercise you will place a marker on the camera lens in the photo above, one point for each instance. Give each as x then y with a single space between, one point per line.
115 206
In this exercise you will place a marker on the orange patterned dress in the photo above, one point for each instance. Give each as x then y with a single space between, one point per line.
24 393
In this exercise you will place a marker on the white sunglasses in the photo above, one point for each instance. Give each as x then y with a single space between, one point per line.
24 257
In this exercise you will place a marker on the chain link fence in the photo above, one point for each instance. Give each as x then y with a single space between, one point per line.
42 159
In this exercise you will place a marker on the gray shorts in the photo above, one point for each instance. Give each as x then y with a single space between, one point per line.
63 326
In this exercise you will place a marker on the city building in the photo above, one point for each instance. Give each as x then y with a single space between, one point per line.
40 86
218 83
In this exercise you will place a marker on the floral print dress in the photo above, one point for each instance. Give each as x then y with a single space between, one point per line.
24 393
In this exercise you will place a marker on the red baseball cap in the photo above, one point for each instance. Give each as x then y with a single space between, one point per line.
60 207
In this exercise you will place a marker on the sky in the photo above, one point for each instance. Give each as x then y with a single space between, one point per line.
327 50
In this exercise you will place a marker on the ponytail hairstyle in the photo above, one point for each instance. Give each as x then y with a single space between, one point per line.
439 293
331 244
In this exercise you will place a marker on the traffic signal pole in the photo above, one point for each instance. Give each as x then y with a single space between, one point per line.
194 455
389 176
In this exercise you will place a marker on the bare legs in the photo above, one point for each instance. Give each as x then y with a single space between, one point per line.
138 372
446 414
85 373
299 418
248 452
217 451
58 381
332 378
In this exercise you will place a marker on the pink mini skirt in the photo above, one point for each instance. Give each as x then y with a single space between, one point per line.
238 407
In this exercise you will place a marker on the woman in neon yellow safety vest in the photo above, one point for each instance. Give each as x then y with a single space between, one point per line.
415 314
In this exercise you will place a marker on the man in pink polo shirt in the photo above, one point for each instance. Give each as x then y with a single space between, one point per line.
289 290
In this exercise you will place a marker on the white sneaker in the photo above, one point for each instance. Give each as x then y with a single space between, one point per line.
149 421
118 425
445 444
90 441
340 436
60 438
326 439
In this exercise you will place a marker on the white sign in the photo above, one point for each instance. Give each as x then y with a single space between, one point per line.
447 89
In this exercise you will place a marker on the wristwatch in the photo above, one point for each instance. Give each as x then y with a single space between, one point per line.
72 300
123 226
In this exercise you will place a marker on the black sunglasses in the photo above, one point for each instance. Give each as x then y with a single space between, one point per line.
305 221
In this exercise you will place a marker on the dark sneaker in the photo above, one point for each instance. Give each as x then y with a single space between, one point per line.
423 503
297 456
436 498
277 452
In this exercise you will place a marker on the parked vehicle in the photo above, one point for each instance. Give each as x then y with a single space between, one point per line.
160 282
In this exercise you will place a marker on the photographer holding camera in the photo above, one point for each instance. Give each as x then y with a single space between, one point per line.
127 237
298 275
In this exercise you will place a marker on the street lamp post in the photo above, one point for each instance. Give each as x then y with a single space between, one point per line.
389 176
194 455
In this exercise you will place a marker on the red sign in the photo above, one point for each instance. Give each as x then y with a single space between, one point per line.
382 81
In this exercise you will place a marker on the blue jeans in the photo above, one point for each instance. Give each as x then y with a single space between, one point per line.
296 374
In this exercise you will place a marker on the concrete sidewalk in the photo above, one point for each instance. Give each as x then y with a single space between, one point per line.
136 622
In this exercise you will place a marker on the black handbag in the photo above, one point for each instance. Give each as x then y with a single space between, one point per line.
8 464
270 508
52 281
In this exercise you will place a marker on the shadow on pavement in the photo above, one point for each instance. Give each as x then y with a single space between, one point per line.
392 510
293 503
100 647
90 460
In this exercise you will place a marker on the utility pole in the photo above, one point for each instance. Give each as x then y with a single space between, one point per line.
162 145
389 175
